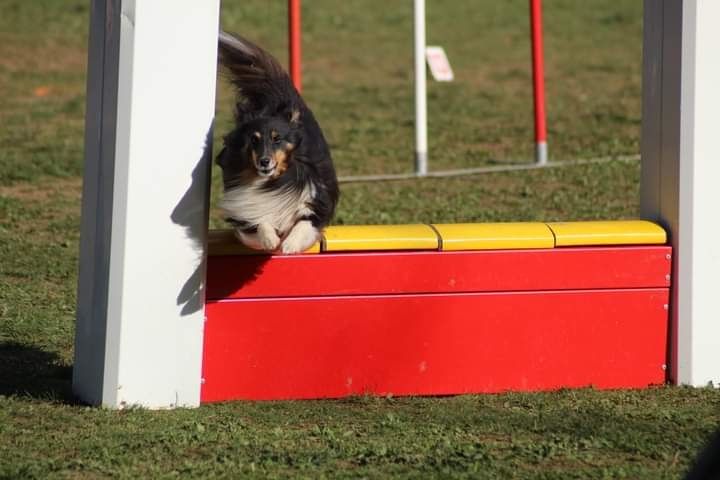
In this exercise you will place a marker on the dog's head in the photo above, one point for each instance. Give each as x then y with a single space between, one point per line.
263 147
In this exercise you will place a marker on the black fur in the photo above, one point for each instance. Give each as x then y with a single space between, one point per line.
267 97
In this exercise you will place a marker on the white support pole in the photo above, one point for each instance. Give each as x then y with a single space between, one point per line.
681 172
150 108
421 141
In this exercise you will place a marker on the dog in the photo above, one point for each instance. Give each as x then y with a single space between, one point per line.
279 184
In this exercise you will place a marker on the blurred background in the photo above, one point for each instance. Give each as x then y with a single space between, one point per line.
357 73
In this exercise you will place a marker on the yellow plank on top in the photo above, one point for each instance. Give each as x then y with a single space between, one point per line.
224 242
379 237
494 236
621 232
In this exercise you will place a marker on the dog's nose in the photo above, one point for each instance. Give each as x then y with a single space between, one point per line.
264 162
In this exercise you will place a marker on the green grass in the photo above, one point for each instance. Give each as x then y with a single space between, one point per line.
567 434
358 81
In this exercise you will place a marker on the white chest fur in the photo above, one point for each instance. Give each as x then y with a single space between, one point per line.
280 208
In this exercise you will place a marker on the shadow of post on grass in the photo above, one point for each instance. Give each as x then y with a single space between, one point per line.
29 371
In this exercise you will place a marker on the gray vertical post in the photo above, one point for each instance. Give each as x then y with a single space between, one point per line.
421 128
150 107
101 110
681 171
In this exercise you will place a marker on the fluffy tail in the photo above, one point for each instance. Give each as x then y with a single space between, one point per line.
263 84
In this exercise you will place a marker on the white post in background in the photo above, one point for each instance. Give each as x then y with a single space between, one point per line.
681 171
421 141
150 108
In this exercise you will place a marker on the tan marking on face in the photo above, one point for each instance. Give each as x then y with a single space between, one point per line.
274 135
257 135
280 157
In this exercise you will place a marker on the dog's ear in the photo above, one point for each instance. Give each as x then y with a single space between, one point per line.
294 136
294 117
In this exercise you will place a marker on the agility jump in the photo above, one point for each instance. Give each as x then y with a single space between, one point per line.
464 321
438 310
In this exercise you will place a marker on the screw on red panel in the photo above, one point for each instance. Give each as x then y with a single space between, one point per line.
665 307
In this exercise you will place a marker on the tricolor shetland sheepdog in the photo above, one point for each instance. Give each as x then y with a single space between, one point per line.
280 187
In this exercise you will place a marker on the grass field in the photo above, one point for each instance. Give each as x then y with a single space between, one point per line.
358 81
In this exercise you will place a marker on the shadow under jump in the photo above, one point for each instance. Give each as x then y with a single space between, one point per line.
236 271
192 205
26 370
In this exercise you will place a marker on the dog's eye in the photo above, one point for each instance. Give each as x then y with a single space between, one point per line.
277 140
255 140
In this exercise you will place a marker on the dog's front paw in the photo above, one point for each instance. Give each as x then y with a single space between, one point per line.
302 236
267 237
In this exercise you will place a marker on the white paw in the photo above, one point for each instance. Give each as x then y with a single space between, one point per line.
268 237
264 239
302 236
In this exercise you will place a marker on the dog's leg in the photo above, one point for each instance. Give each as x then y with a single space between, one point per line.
301 237
265 238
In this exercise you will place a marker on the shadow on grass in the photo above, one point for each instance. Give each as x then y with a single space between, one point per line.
707 463
31 372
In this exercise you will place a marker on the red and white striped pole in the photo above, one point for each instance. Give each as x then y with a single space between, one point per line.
541 155
294 42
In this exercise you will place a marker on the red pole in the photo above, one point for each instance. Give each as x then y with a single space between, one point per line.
538 81
294 42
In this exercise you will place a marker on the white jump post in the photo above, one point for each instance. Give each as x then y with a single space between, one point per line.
150 108
681 171
421 129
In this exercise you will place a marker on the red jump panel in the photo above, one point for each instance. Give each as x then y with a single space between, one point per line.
435 323
433 344
437 272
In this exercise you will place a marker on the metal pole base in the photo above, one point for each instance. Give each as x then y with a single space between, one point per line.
541 155
421 168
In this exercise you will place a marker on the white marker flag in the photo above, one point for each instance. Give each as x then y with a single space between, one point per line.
439 64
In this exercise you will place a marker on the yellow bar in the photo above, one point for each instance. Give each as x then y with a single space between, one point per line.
621 232
464 236
494 236
224 242
379 237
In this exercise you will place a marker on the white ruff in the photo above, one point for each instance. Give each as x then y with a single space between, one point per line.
279 208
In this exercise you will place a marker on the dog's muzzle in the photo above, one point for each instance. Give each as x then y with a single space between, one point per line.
266 166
